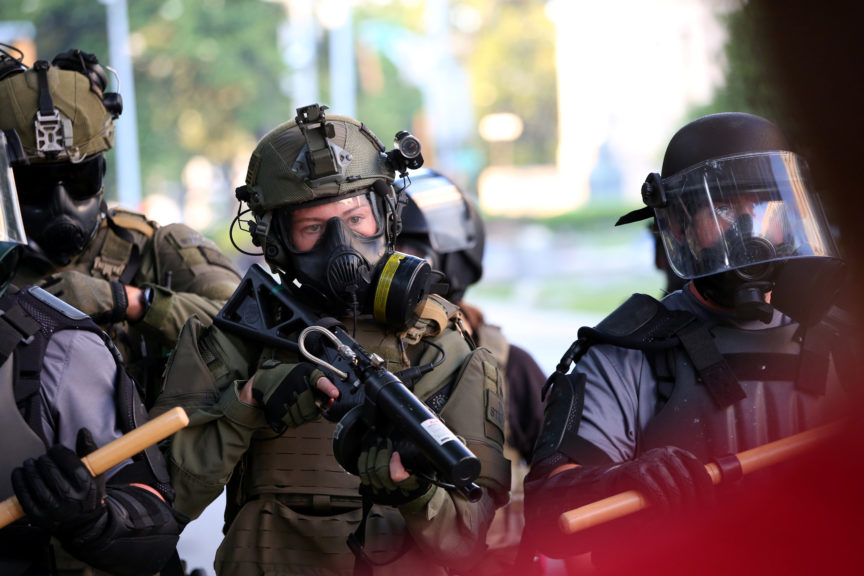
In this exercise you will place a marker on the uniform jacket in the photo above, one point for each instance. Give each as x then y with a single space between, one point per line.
187 272
293 506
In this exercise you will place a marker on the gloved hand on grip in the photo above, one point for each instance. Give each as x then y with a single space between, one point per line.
102 524
286 392
58 493
670 479
104 301
374 468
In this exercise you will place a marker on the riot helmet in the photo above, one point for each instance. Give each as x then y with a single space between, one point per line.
738 215
442 224
326 215
64 118
12 236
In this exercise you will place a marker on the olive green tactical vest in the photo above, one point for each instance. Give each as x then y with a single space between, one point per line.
296 505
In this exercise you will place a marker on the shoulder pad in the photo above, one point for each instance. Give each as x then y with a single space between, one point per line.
435 300
195 251
641 323
183 236
134 221
55 303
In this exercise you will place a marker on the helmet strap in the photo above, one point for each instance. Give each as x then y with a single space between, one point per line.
53 132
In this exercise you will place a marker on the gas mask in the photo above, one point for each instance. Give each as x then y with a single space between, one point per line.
61 204
346 272
742 289
746 225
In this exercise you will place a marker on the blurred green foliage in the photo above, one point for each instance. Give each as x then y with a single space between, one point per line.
210 74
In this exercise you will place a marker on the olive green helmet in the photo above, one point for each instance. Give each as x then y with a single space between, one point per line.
60 111
315 158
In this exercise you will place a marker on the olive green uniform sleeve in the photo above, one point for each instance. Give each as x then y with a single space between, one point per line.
203 375
443 523
192 277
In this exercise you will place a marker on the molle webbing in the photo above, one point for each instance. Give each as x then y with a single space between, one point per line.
119 257
20 334
300 462
16 326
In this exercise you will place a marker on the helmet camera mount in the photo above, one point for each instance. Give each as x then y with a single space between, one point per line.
406 154
323 162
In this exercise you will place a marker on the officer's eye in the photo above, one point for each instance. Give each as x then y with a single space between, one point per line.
724 211
312 229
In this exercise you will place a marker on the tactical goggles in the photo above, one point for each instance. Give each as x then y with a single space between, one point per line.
82 181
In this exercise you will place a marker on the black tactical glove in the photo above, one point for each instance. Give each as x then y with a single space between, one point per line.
286 392
121 529
670 479
373 466
104 301
58 493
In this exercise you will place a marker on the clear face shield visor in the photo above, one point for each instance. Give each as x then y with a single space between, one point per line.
737 212
447 218
11 225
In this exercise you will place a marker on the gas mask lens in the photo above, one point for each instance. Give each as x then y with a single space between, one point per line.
739 211
304 228
82 181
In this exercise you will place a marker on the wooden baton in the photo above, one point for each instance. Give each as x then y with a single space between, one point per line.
751 460
113 453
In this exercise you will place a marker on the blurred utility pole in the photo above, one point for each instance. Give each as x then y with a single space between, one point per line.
298 45
126 138
446 94
339 21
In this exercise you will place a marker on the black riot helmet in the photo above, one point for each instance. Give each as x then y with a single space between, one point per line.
737 215
442 224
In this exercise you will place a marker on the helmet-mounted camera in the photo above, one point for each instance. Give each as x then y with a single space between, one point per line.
406 153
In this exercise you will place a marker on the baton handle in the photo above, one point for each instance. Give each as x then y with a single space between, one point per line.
751 460
113 453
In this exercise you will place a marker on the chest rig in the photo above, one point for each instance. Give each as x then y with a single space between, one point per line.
720 389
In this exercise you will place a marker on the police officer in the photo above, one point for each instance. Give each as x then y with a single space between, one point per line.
62 393
441 224
138 280
748 352
326 215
